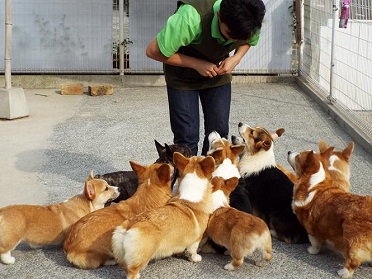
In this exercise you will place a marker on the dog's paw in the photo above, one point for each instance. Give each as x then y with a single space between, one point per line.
273 233
313 250
229 267
345 273
261 263
110 262
195 258
7 258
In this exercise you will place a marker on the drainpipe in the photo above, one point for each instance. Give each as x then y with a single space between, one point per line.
330 97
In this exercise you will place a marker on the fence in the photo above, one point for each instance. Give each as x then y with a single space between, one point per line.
82 36
59 36
273 54
338 61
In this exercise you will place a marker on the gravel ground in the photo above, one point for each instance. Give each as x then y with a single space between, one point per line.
48 155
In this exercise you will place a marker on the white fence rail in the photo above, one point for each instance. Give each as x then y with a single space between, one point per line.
350 88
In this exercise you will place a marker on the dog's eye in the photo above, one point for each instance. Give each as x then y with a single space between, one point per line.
106 189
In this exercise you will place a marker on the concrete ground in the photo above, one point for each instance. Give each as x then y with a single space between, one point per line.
47 156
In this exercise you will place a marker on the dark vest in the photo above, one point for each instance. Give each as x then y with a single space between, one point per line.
182 78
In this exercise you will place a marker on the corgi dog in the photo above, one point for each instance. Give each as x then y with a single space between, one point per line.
331 215
226 156
339 164
241 233
88 244
127 181
270 190
173 228
291 175
47 225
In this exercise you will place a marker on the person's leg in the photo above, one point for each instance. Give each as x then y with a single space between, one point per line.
216 108
184 117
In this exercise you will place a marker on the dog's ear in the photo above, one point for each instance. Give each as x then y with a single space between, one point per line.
217 182
168 151
137 168
89 191
237 149
326 154
208 166
348 150
322 146
91 175
164 173
159 147
180 161
310 161
217 155
277 134
231 183
186 151
265 144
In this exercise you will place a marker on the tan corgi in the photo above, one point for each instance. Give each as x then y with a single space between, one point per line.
173 228
241 233
47 225
331 216
339 164
88 245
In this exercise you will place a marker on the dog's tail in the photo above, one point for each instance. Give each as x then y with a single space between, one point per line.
265 249
118 241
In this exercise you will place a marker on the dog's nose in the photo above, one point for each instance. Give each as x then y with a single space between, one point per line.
289 152
240 124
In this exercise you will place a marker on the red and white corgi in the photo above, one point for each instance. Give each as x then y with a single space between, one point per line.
172 228
339 165
241 233
330 215
48 225
226 156
270 190
88 244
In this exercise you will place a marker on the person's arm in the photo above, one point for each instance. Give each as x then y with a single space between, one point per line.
229 64
205 68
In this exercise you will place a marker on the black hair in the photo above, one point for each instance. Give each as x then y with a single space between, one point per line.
242 17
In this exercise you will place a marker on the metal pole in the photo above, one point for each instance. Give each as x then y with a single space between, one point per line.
121 37
8 43
299 33
331 78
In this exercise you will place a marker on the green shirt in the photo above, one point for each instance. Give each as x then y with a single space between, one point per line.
184 28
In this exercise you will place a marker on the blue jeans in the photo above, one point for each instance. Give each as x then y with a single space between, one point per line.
184 114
